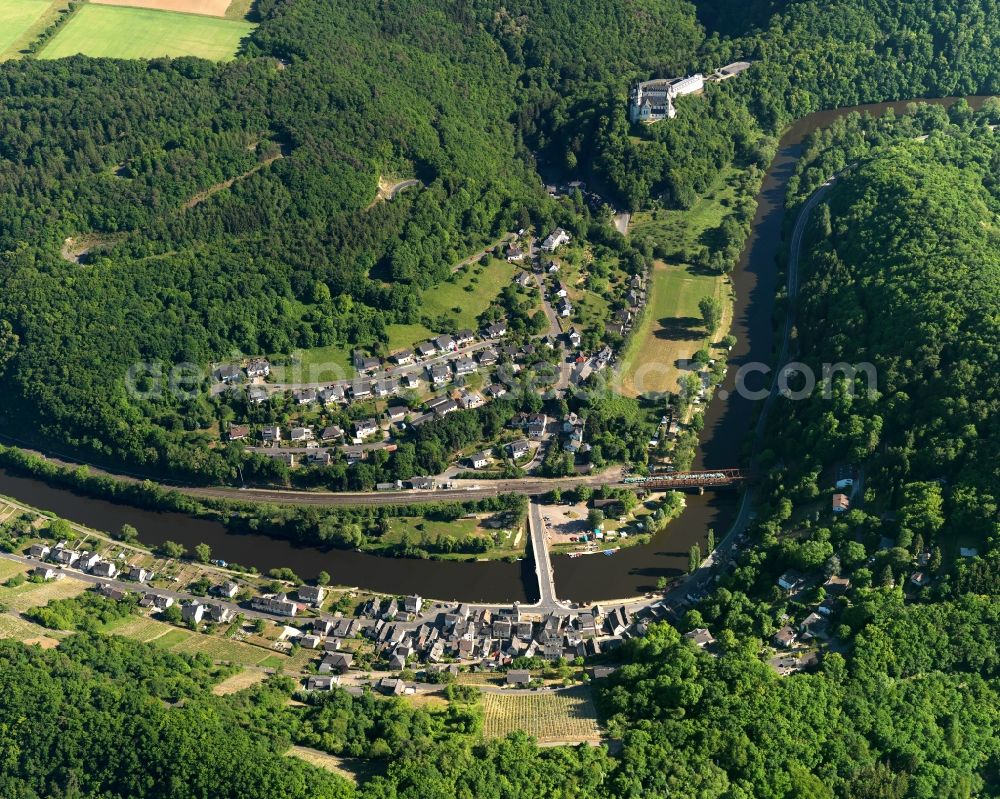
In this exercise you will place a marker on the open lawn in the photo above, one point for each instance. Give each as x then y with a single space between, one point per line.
17 17
120 32
551 717
175 639
671 329
414 530
459 300
318 365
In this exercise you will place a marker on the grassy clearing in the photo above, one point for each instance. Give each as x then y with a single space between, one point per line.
414 530
671 328
458 301
165 636
18 18
8 568
238 682
121 32
320 364
350 768
560 717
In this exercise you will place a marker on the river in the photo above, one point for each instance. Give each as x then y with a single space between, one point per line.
629 572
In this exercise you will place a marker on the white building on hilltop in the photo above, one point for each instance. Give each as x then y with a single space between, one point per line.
653 100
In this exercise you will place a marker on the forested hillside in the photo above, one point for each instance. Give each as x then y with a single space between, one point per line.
115 162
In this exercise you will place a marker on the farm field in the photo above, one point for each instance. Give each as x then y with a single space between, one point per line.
103 31
212 8
238 682
33 595
18 629
551 717
671 328
16 18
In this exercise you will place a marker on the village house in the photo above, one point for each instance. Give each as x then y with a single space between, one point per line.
487 356
304 396
785 637
481 460
391 686
411 381
226 590
791 581
565 308
112 593
67 557
700 637
300 434
87 561
495 391
219 614
271 434
228 374
402 358
574 338
519 678
309 641
469 400
40 551
104 568
312 594
320 683
363 428
336 663
319 457
46 573
156 601
331 433
514 254
841 504
395 414
439 373
556 239
332 395
445 343
559 290
364 363
137 574
394 485
239 432
258 367
422 483
287 458
464 337
385 387
192 612
361 389
495 330
466 366
278 604
426 349
518 449
537 423
257 395
412 604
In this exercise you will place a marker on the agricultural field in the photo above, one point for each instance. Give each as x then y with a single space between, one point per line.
17 18
551 717
33 595
212 8
104 31
671 328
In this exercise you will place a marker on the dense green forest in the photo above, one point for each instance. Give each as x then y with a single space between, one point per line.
471 98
